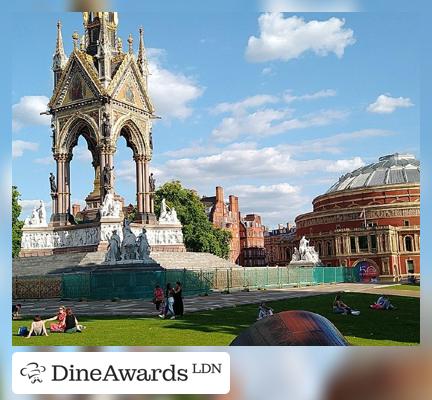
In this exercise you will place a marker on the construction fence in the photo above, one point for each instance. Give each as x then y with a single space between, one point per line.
140 284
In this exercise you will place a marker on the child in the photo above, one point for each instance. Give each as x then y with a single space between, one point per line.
158 297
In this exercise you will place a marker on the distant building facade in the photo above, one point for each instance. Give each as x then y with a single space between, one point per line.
247 234
369 220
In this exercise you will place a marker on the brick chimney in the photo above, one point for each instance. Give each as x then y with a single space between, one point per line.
233 204
219 194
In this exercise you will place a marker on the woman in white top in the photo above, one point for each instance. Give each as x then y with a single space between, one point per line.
37 327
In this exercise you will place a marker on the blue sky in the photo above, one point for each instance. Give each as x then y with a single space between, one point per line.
275 124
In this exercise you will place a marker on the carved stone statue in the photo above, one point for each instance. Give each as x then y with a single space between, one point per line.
110 206
38 217
53 136
303 245
113 255
143 246
129 244
168 216
152 183
305 254
108 178
106 125
296 255
53 185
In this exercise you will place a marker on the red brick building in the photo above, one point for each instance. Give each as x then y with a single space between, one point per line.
253 252
247 241
369 219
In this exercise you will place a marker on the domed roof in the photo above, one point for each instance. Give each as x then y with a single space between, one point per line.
389 170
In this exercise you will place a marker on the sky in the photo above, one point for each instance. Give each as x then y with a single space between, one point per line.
274 107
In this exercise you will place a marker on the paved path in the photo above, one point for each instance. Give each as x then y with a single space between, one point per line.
192 304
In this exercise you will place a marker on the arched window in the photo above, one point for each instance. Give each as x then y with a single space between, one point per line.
408 243
329 248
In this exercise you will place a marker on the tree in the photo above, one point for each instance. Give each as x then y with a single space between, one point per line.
198 232
16 223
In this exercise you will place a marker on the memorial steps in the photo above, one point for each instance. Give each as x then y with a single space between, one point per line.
88 261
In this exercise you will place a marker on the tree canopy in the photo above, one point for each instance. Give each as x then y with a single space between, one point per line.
16 223
199 233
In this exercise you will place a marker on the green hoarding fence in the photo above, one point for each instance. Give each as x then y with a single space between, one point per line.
140 284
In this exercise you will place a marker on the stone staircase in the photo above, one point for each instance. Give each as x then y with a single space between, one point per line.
84 262
189 260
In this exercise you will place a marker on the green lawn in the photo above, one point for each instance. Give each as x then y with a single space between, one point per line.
415 288
220 327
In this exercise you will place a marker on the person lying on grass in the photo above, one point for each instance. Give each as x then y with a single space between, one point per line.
339 307
37 327
383 303
264 311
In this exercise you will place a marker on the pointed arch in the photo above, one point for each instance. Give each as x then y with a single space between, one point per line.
79 125
135 134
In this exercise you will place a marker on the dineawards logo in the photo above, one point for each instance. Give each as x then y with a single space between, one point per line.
121 373
33 371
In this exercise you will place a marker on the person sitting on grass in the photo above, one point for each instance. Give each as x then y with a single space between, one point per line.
71 323
169 308
339 307
58 327
383 303
264 311
16 309
37 327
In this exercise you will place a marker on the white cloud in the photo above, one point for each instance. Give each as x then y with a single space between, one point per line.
345 165
385 104
269 122
288 38
289 98
267 71
27 112
277 203
20 146
242 163
171 92
242 106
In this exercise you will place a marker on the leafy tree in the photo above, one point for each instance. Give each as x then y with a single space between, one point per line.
16 223
199 233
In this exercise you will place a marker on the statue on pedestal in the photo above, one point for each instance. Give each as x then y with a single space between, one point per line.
38 217
110 206
143 246
113 255
168 215
53 185
107 178
152 183
129 245
305 254
106 125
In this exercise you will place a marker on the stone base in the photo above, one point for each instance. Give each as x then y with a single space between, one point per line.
145 218
62 219
302 264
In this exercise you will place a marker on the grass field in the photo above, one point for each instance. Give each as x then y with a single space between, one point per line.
220 327
414 288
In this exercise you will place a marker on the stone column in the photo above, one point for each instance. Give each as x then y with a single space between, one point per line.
61 214
139 159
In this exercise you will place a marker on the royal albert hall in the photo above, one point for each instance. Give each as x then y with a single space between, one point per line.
370 220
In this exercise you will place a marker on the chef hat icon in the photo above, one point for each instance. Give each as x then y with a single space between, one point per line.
33 371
